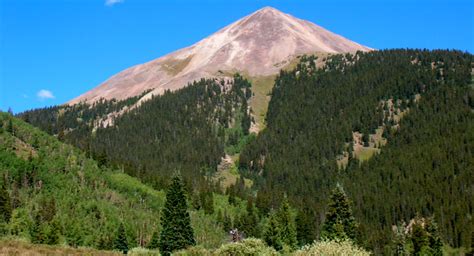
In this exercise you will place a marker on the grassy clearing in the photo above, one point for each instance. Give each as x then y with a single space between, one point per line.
22 247
228 172
261 87
365 153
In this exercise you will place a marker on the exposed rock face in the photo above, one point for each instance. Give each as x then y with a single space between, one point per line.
258 44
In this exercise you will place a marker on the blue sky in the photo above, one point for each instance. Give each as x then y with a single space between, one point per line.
52 51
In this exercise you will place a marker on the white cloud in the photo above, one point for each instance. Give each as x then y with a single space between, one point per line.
44 94
113 2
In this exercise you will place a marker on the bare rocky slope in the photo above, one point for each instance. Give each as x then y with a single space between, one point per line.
259 44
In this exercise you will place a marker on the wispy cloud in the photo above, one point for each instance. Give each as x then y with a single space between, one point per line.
112 2
44 94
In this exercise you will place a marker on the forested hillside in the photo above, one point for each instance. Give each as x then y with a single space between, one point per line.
188 130
392 130
427 166
51 193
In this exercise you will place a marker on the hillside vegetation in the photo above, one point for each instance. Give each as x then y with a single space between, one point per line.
59 196
391 130
427 166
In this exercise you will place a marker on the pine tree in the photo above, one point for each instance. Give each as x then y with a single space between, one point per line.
251 220
272 232
227 224
399 241
154 241
5 204
419 238
208 202
177 232
340 222
305 227
10 126
120 242
435 242
287 224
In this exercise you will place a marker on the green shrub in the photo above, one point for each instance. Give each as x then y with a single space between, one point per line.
332 248
250 246
194 251
139 251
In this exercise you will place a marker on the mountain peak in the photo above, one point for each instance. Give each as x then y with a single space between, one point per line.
256 45
268 9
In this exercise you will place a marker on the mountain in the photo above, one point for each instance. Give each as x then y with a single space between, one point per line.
394 128
259 44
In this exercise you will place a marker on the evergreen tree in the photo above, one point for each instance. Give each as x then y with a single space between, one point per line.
287 224
154 241
399 241
177 232
251 220
5 204
305 227
272 232
227 224
208 202
120 242
340 222
419 239
10 126
435 242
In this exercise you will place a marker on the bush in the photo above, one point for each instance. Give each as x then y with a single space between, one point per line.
139 251
332 248
193 251
250 246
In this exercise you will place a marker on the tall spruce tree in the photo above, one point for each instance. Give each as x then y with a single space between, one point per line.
272 232
419 238
436 244
120 242
305 226
177 232
5 204
287 224
339 222
153 244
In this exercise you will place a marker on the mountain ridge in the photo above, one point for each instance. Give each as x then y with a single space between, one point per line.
258 44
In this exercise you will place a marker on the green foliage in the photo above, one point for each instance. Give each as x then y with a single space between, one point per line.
424 238
55 232
154 241
287 224
305 226
120 242
425 167
339 222
5 204
332 248
250 246
155 138
272 235
56 187
177 232
435 242
20 222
